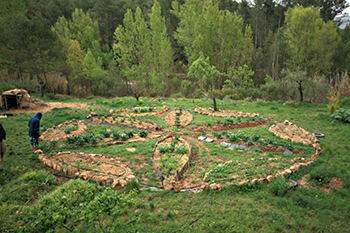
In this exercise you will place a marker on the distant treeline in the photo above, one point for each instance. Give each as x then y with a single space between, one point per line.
276 50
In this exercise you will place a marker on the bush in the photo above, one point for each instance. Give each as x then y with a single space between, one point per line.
278 187
333 100
342 115
345 102
6 87
321 175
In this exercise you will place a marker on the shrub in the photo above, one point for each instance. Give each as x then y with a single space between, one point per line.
163 148
333 100
278 187
6 86
181 149
342 115
321 175
116 136
143 134
107 134
345 102
233 138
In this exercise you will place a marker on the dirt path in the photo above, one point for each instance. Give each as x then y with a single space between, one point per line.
47 108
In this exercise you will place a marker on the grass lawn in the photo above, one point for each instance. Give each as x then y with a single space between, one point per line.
34 199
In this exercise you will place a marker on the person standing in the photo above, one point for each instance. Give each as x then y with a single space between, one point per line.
2 142
34 130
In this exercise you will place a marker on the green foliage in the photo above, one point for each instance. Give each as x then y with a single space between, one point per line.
143 133
333 100
345 102
6 87
181 149
342 115
107 134
307 48
278 187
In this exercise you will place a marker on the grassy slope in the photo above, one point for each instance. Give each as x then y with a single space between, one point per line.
30 197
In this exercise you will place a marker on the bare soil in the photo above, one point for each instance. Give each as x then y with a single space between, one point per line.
92 165
185 118
47 108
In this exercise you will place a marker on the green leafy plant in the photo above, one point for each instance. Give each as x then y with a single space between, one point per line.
143 134
116 136
342 115
163 148
278 187
181 149
334 99
107 134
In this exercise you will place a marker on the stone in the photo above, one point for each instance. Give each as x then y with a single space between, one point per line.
233 145
209 140
131 178
288 171
123 183
288 152
213 186
167 185
256 148
109 181
270 177
201 138
244 147
177 186
224 144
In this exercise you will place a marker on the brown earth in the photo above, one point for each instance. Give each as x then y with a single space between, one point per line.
91 165
47 108
185 118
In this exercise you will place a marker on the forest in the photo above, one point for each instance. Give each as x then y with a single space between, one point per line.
258 49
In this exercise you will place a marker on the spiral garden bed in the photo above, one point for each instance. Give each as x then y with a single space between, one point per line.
172 155
105 171
171 158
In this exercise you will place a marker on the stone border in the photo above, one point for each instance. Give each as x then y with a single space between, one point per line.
106 180
295 165
223 113
157 112
172 184
81 128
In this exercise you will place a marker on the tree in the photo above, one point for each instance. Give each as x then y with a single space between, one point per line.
161 51
93 74
219 35
109 14
311 42
206 75
299 77
132 49
135 81
83 29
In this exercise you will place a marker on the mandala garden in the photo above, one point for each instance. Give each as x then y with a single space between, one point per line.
256 159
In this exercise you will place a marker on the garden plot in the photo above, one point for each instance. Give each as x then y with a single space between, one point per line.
143 111
224 113
106 171
171 158
259 168
64 130
238 158
178 118
124 121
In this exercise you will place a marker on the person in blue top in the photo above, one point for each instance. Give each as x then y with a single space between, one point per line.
34 130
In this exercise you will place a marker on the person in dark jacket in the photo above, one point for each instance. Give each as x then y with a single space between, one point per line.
2 142
34 130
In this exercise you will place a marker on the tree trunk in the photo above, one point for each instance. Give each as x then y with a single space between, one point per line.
300 90
137 96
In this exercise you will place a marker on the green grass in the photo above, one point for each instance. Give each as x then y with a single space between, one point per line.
32 200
